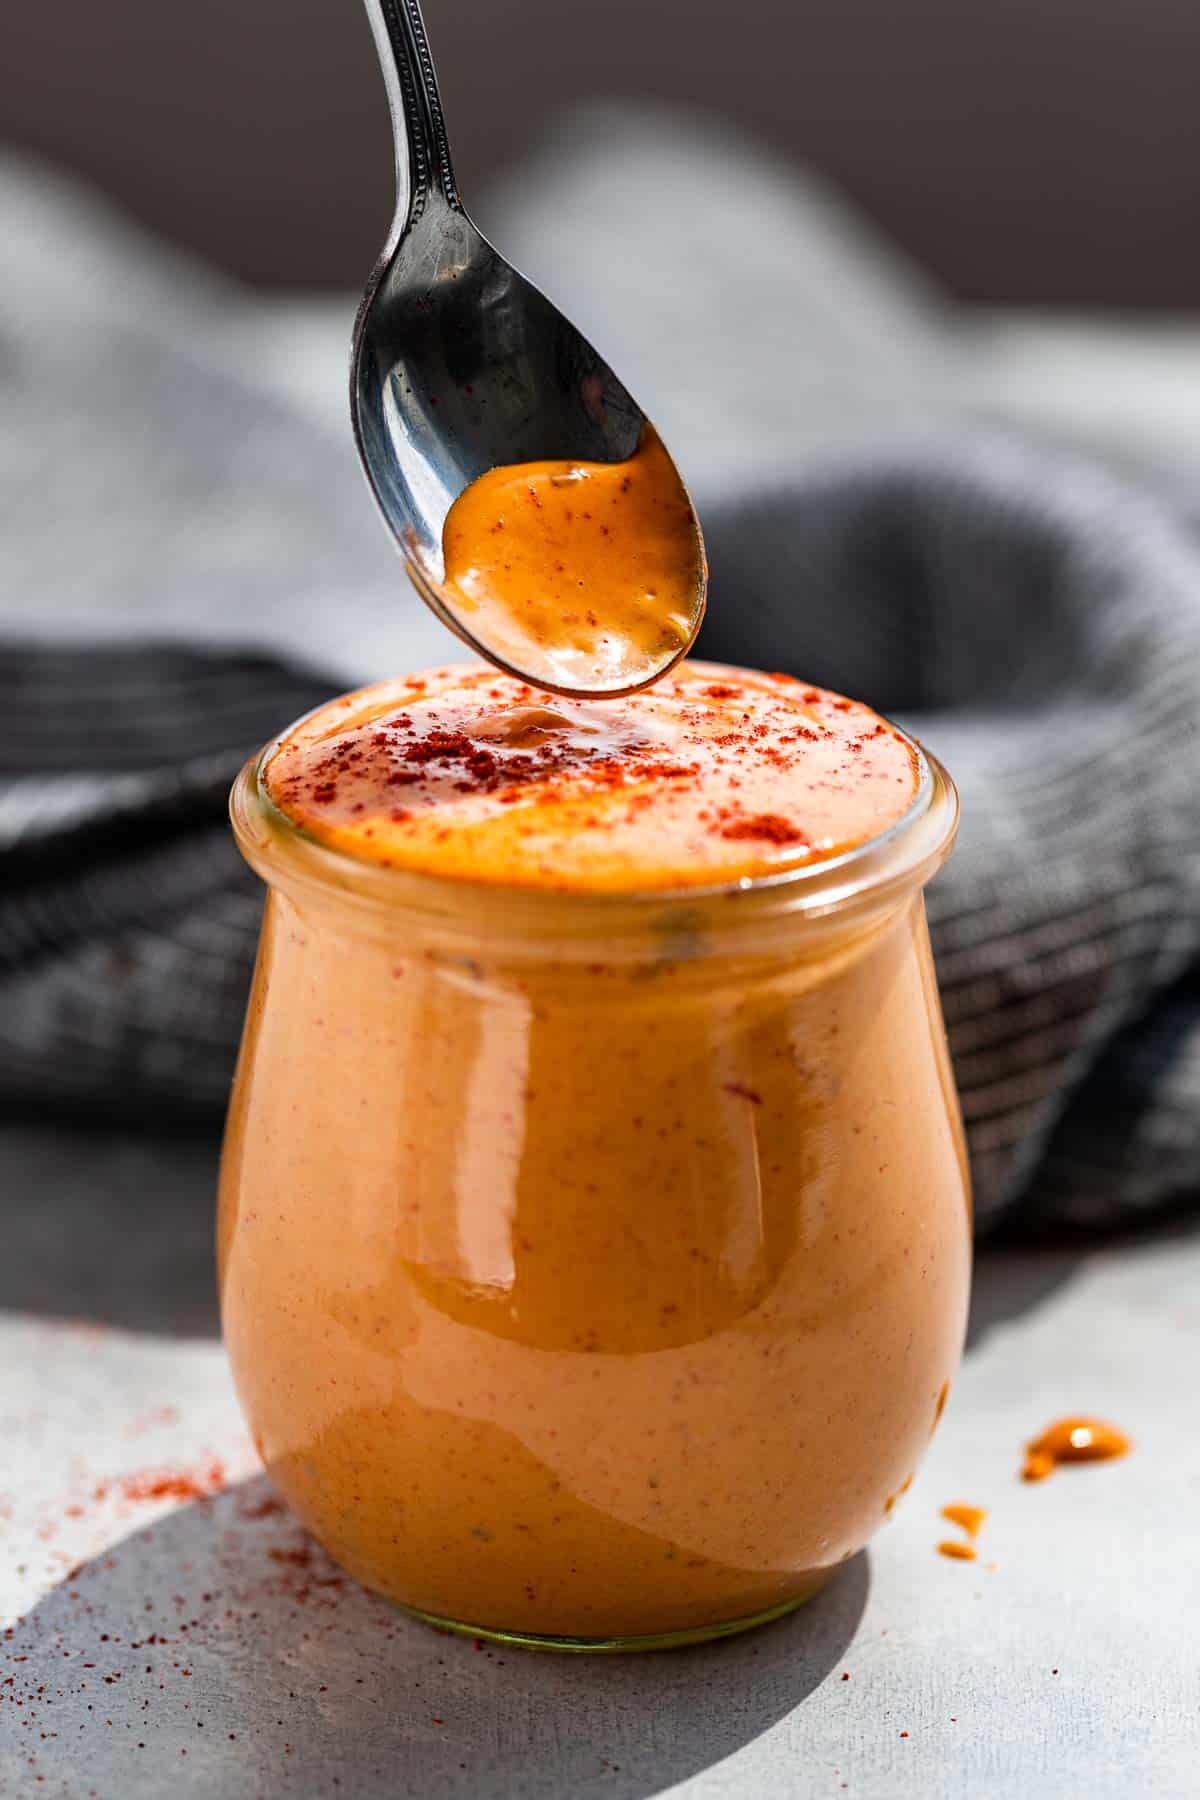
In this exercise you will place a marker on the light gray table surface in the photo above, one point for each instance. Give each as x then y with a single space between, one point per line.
203 1648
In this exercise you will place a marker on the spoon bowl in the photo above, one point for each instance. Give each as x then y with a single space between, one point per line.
459 366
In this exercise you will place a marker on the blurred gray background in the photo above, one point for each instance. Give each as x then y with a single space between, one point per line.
1028 151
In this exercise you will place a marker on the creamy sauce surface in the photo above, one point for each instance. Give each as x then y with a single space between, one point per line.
712 775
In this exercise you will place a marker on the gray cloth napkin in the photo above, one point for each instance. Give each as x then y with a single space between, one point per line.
188 560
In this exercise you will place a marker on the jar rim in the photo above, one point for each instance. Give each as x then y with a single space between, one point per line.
906 854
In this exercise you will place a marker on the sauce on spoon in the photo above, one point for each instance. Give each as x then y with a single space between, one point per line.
586 575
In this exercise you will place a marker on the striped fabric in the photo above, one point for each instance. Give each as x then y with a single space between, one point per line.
127 920
1037 624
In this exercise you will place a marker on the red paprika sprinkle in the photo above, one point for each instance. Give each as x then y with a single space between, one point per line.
167 1484
769 826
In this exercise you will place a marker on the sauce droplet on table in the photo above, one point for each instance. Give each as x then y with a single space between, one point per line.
1075 1439
971 1519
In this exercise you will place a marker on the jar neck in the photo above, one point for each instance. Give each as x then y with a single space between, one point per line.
811 906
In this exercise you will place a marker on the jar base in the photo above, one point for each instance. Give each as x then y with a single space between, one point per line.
613 1646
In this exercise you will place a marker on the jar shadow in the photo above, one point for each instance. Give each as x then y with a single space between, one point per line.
220 1648
1013 1280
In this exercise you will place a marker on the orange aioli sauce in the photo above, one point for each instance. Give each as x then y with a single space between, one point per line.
566 1285
583 574
713 775
1072 1440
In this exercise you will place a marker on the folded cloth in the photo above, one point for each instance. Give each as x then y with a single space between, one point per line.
192 564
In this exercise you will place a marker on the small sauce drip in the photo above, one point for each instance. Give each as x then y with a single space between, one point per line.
1072 1440
971 1519
889 1504
581 575
955 1548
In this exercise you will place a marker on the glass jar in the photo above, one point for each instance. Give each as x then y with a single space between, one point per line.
594 1268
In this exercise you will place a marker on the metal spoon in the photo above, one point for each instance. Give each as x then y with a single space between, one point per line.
459 365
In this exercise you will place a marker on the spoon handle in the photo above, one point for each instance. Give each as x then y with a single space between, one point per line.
423 165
